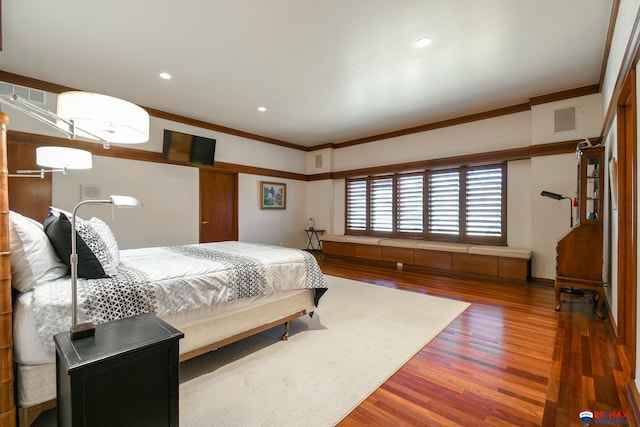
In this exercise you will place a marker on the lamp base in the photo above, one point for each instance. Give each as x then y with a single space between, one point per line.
82 330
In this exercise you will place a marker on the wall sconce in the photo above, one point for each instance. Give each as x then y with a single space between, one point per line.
88 329
557 196
59 159
90 115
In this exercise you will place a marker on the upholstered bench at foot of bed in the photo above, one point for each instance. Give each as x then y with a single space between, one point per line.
495 261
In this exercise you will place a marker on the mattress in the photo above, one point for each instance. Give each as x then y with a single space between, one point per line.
36 369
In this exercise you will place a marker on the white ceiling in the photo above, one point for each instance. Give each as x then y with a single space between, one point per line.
328 71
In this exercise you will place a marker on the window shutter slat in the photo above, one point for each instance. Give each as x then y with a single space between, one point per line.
444 200
382 204
357 205
410 203
484 202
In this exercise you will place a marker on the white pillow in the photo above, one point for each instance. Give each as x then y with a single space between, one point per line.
104 231
33 259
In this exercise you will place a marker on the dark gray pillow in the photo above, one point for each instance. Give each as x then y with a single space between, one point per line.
58 230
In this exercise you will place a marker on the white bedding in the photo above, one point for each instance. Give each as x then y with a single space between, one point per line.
37 382
176 280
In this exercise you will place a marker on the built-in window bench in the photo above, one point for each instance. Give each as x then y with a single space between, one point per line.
495 261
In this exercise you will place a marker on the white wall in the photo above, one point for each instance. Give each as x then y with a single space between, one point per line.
627 15
550 218
277 227
611 243
498 133
520 203
588 119
320 199
169 193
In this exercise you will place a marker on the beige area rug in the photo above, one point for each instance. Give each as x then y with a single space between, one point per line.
358 337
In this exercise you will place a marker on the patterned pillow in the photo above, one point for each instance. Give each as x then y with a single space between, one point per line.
93 255
97 246
105 233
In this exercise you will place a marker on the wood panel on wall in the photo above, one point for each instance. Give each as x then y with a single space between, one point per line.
29 196
7 402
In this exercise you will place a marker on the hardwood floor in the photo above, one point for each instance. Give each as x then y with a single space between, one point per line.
509 360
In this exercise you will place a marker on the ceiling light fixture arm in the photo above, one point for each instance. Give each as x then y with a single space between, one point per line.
35 173
47 117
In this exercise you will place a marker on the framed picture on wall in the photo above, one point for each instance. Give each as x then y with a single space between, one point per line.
273 195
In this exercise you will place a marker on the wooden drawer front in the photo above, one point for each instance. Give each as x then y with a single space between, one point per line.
479 264
403 255
433 259
338 248
513 268
368 252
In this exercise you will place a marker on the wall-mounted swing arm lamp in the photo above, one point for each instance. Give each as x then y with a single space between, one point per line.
90 115
557 196
87 329
59 159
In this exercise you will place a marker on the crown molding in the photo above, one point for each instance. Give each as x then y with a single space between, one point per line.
571 93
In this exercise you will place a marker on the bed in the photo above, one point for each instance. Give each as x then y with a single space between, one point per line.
215 293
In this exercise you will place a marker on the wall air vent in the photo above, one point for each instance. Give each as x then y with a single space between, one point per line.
565 119
91 192
33 95
318 161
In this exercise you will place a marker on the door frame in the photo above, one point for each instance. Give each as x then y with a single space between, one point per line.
627 217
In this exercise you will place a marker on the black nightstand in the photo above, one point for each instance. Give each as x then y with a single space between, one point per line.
125 375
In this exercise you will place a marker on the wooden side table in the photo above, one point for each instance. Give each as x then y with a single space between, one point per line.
125 375
314 234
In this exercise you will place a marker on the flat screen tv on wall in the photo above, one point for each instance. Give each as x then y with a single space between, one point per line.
184 148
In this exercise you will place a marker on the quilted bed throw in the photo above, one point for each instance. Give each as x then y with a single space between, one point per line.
171 279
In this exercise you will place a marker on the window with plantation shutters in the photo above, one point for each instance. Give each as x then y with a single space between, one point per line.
357 205
444 202
381 204
463 204
484 188
410 203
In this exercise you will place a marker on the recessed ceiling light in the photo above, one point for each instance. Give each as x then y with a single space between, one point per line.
262 109
424 41
165 76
